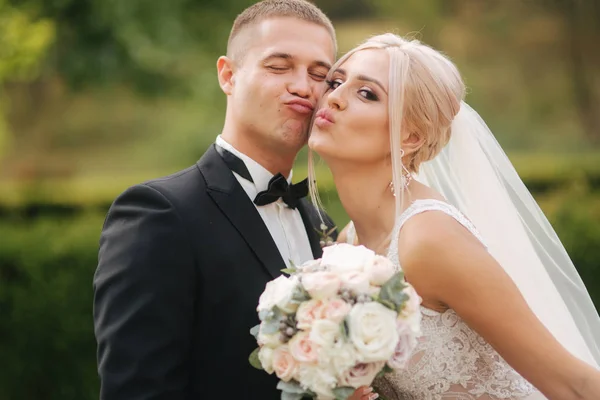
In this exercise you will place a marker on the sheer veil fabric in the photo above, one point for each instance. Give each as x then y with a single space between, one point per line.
474 174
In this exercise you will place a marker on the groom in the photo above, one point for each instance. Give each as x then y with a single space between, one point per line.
184 259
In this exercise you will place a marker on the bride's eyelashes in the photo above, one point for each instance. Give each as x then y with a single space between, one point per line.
363 92
333 83
368 94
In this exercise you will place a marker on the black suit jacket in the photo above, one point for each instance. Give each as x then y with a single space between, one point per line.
182 263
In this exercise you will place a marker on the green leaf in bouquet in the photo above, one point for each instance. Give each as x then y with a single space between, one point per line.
293 391
289 271
264 314
391 294
300 295
344 328
291 396
272 319
254 331
292 269
385 370
342 393
254 360
291 387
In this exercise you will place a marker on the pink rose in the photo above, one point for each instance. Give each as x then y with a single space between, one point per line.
302 348
361 374
308 312
284 364
407 342
321 285
380 270
336 310
411 312
358 282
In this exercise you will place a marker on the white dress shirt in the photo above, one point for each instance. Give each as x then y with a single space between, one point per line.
284 224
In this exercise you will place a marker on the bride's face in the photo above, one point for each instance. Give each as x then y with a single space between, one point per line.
352 122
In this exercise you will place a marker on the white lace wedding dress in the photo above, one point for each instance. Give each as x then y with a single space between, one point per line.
451 361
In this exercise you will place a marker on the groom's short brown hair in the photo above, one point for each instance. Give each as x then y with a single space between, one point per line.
265 9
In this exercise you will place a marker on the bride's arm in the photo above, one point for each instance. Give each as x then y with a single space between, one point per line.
448 265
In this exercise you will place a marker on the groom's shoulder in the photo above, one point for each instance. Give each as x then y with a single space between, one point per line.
182 183
176 182
177 189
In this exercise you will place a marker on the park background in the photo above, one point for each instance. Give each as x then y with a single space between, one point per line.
97 95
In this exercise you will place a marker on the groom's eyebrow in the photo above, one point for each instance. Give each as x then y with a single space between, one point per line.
362 78
287 56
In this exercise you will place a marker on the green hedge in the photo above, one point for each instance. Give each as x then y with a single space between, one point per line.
46 270
46 332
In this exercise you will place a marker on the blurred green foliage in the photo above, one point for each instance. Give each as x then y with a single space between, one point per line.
47 345
23 43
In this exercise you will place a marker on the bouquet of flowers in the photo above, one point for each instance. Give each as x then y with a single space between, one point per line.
336 324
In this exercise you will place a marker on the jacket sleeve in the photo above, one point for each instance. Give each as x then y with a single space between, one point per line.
144 291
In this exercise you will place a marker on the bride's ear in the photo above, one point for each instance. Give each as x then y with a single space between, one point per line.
412 142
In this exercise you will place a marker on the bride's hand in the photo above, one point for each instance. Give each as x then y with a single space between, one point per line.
363 393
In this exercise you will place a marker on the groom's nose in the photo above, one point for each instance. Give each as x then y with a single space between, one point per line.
301 85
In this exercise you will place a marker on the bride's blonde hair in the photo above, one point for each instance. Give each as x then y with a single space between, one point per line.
425 92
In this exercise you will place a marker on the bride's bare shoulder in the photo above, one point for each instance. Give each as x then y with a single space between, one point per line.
431 244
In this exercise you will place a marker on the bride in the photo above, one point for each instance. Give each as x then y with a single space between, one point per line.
504 312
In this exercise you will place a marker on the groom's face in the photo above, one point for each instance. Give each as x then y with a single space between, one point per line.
278 79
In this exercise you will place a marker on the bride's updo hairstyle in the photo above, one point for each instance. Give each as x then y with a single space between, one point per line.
425 93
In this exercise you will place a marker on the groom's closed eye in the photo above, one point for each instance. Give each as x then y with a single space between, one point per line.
319 70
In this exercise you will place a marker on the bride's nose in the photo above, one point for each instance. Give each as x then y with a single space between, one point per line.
335 99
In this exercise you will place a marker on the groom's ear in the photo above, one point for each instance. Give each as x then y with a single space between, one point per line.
225 72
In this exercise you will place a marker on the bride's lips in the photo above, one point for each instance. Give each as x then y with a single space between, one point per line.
301 106
324 118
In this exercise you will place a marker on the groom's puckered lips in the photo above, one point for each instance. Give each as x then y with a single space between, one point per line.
324 118
301 106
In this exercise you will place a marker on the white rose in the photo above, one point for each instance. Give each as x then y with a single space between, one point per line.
361 374
356 281
341 357
374 291
344 257
372 330
279 292
265 355
324 333
321 285
407 342
411 311
380 270
317 379
270 340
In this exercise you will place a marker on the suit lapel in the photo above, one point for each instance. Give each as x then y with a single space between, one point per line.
233 201
304 207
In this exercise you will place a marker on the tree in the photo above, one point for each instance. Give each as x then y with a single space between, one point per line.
23 44
582 35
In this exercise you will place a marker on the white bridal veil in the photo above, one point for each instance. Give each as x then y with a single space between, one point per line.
476 176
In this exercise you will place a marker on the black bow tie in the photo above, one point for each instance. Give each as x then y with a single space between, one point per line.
278 186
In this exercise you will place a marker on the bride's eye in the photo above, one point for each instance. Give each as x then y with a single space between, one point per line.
368 94
334 84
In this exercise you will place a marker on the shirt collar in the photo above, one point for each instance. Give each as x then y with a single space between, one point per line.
260 175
